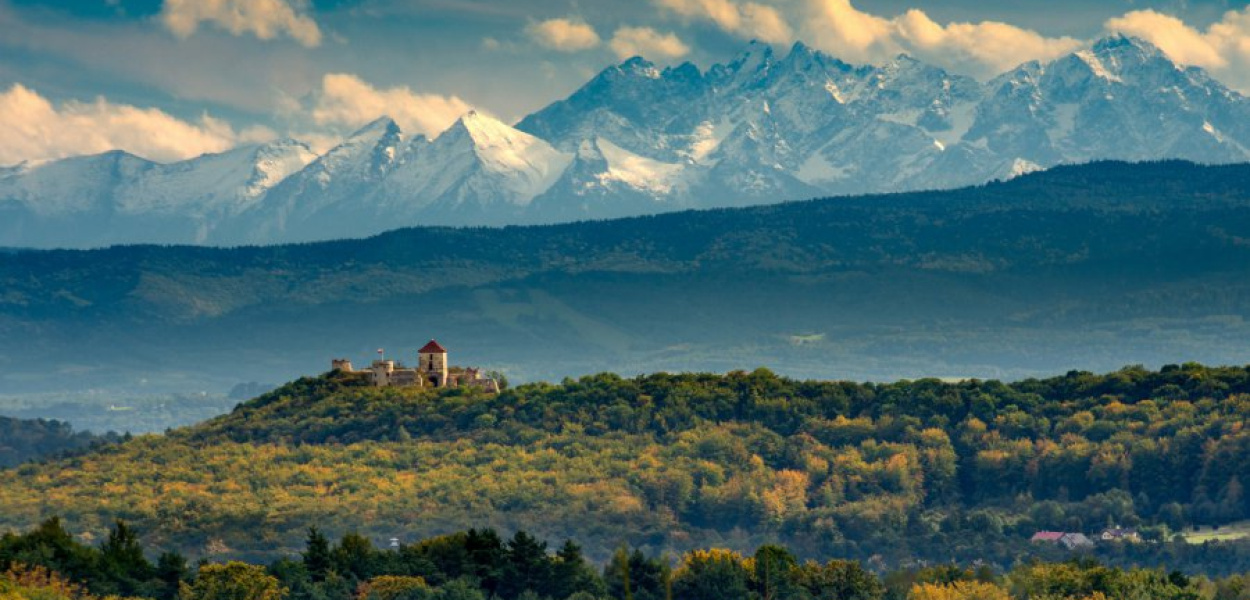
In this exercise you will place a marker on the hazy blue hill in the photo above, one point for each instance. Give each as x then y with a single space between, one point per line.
24 440
1090 266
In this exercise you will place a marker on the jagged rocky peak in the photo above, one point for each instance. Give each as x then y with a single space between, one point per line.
639 67
1119 58
1120 44
685 72
485 132
483 127
636 138
380 127
803 57
757 56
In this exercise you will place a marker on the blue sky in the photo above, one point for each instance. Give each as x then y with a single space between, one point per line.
170 79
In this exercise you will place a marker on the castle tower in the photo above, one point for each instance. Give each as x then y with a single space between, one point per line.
382 371
432 362
341 364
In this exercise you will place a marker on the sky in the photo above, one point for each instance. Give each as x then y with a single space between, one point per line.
173 79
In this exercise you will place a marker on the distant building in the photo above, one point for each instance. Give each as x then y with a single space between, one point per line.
1048 536
432 370
1069 541
1117 534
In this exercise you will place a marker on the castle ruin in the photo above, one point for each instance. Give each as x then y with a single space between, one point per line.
432 370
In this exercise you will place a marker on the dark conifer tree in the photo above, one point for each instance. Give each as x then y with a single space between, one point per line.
317 557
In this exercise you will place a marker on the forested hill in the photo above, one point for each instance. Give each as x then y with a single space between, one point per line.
900 471
24 440
1092 266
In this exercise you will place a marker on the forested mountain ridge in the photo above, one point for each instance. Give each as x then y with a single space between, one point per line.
903 471
1091 266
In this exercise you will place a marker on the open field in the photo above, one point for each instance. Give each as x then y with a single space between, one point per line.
1226 533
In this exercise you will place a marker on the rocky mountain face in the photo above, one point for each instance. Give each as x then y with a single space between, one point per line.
638 139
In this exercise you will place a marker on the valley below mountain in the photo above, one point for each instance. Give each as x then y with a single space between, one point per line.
1089 267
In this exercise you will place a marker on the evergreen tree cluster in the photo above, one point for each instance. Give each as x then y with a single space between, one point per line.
47 563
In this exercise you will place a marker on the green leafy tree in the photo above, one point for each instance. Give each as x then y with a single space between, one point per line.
353 557
711 575
634 576
459 589
839 580
774 573
233 581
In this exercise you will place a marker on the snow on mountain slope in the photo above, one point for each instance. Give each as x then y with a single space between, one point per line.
501 158
73 185
224 184
117 198
607 181
638 172
323 200
639 139
480 170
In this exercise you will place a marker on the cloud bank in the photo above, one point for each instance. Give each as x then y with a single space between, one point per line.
981 49
1224 48
747 20
835 26
565 35
628 42
33 128
265 19
346 100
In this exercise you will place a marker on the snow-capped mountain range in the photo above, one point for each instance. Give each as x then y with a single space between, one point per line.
637 139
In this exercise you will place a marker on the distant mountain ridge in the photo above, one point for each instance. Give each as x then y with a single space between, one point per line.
1091 266
637 139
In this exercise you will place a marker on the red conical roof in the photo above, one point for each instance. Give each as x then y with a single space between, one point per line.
432 348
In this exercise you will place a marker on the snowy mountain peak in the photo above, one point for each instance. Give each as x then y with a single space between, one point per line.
801 49
1121 44
639 67
757 58
379 127
1119 61
637 140
488 132
275 161
685 72
481 162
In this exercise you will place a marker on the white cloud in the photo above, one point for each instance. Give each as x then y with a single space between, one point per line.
647 42
983 49
33 128
837 27
1224 48
346 100
265 19
565 35
1172 35
743 19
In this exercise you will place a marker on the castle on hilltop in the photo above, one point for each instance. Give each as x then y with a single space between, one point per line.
432 370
